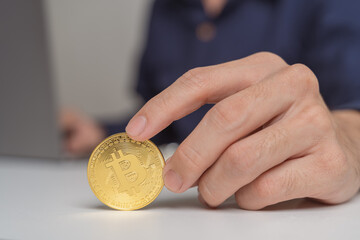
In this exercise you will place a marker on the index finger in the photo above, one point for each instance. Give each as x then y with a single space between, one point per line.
198 87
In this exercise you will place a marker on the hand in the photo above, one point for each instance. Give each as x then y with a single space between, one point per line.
81 133
269 138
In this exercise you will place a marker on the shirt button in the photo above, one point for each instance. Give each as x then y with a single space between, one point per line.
205 31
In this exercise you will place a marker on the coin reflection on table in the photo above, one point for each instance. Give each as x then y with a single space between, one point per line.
126 174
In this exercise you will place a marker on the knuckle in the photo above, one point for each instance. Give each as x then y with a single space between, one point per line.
195 79
238 161
288 183
207 193
189 157
316 117
239 200
243 159
272 138
242 202
334 164
264 187
270 57
259 91
159 103
221 117
304 79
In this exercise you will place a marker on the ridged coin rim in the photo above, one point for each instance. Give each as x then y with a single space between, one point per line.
125 135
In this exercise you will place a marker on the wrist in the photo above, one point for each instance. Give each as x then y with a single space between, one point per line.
348 129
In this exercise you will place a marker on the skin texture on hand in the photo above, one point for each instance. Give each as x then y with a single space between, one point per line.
269 137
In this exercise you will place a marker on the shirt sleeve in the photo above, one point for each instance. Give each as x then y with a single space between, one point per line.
332 51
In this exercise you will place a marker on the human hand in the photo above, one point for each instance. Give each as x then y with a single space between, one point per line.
269 138
81 133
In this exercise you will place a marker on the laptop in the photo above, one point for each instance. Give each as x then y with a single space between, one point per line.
28 122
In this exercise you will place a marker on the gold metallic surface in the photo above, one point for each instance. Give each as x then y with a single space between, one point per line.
126 174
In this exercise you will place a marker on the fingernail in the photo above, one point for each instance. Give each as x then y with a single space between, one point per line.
136 126
172 181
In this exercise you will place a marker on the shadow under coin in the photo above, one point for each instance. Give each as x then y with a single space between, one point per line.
100 207
174 203
193 203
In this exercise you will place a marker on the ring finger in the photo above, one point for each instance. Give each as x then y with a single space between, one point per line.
246 159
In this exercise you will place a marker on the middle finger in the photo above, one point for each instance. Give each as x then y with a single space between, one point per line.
228 121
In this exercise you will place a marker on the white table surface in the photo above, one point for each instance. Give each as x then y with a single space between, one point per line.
52 200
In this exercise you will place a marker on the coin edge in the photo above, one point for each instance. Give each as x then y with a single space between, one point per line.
162 160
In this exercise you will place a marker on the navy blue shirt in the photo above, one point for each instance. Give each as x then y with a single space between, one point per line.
322 34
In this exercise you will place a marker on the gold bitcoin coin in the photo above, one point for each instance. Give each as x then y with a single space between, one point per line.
126 174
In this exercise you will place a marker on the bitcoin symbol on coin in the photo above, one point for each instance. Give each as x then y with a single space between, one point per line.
128 170
126 174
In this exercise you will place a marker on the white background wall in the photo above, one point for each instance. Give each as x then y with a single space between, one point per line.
95 48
